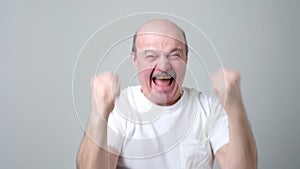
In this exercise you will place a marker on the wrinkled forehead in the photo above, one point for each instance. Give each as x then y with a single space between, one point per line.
158 41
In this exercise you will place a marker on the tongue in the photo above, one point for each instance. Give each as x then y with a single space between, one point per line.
164 82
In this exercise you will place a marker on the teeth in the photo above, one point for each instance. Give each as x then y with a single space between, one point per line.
164 77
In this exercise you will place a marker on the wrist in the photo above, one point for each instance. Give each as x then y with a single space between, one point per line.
100 112
97 128
235 112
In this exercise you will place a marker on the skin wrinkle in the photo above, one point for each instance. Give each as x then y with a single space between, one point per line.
150 78
159 40
169 40
181 36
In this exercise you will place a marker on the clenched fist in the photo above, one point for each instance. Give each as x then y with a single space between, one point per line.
104 90
226 84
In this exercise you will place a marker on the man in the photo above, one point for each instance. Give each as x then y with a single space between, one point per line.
160 55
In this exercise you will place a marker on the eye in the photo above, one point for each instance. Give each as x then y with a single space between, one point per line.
150 56
174 56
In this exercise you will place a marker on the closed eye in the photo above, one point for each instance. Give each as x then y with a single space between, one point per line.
150 56
175 55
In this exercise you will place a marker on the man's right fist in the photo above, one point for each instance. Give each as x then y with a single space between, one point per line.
104 90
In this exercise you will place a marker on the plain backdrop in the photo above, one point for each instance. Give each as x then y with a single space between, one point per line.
40 43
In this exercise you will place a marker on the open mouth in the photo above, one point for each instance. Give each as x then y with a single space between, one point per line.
163 80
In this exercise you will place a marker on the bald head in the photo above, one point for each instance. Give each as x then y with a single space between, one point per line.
161 27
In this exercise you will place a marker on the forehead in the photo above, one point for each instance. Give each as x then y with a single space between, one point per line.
158 41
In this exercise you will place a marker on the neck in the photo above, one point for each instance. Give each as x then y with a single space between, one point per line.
167 102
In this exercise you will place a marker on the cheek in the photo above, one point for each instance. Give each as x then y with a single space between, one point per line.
144 75
142 65
180 68
180 72
144 71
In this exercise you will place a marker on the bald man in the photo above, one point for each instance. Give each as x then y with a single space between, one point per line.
159 123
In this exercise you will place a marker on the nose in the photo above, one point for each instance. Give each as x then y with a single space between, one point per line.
163 64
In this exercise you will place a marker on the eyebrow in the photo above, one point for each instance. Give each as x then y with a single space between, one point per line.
155 51
176 50
149 51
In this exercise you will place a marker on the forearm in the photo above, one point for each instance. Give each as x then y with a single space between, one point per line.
91 156
93 152
242 147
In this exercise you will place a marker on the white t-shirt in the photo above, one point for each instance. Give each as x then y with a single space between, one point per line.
184 135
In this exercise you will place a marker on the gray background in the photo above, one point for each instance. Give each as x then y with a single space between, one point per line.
40 41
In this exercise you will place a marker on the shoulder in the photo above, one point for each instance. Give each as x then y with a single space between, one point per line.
206 102
192 93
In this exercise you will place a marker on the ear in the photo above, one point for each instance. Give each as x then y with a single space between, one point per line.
134 59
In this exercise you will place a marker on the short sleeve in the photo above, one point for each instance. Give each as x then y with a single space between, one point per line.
220 135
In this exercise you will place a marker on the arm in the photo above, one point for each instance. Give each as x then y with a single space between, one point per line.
241 151
93 152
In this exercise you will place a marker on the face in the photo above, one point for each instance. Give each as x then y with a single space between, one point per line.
161 65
